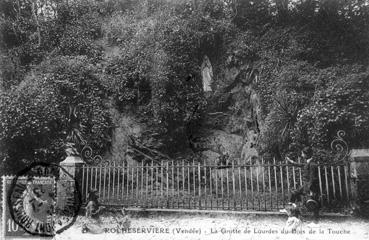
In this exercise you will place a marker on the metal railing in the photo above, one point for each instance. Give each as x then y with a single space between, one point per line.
264 186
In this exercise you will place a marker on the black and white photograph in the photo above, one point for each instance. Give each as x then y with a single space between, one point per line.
184 119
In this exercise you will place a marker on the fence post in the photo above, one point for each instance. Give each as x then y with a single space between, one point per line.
359 180
68 182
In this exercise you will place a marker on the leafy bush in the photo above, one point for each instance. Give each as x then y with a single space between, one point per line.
35 115
341 106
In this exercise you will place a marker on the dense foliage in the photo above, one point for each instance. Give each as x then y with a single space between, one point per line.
144 57
38 118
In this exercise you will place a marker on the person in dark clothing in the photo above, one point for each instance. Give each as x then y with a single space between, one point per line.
223 160
310 180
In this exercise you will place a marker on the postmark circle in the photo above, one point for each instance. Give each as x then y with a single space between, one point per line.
44 199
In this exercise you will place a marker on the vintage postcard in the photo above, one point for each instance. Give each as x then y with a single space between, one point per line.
184 119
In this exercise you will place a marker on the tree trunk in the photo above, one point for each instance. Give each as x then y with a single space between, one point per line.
34 13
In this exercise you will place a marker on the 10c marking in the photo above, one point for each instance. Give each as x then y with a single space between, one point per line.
12 226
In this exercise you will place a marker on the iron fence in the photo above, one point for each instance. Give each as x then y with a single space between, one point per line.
264 186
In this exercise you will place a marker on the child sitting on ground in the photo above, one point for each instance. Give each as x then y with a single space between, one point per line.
294 215
93 209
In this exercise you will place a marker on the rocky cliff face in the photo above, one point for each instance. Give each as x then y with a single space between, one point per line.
233 118
231 122
126 127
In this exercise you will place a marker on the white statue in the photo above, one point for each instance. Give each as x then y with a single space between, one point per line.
207 74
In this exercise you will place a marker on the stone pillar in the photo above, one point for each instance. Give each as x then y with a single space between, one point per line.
69 173
73 164
359 173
